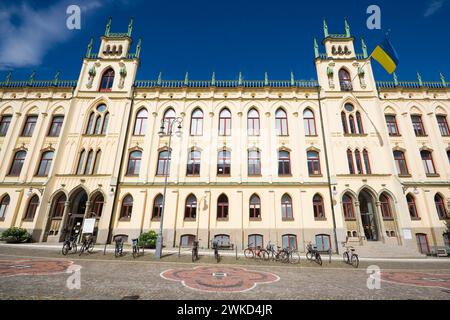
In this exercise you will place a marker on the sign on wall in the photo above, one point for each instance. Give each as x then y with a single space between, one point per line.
407 234
89 225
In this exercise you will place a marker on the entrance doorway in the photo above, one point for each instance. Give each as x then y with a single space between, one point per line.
77 212
368 217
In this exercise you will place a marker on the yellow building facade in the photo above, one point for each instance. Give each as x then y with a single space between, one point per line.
343 158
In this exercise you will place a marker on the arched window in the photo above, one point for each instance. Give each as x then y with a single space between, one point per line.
422 243
105 123
386 207
318 207
367 162
4 204
351 164
168 119
289 241
286 207
281 122
98 121
351 120
284 163
225 122
309 123
30 125
190 211
443 125
32 208
359 168
418 126
255 207
157 207
45 164
197 122
163 163
98 156
187 240
90 158
413 213
127 208
428 163
253 122
193 165
97 205
58 208
222 207
349 210
400 163
134 163
107 80
90 124
81 162
5 121
98 125
17 164
323 242
440 206
313 163
140 125
255 241
359 123
345 80
55 126
392 126
224 163
254 163
344 122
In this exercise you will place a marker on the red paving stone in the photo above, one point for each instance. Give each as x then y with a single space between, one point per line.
418 279
9 268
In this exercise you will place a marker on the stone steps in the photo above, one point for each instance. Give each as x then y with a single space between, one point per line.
383 250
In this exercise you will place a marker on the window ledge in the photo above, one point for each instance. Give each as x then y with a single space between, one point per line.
355 135
156 219
255 175
285 175
222 219
395 135
433 175
190 219
388 219
350 219
404 176
421 135
255 219
287 219
125 219
320 219
28 220
416 218
224 175
316 175
192 175
88 135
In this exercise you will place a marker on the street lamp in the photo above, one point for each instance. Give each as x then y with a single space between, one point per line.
170 124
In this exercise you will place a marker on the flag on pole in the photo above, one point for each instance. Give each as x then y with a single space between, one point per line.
386 55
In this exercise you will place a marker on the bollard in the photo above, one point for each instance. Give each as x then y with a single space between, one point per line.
329 252
236 253
179 251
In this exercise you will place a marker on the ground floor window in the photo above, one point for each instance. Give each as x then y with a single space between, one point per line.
447 239
422 243
290 241
187 240
323 242
255 240
223 240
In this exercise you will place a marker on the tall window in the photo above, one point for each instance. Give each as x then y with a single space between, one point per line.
19 159
309 123
81 162
134 163
253 123
107 80
32 208
351 120
254 163
351 164
90 158
323 242
224 163
225 122
413 213
30 124
422 243
55 127
255 207
281 122
392 127
97 160
97 205
5 121
318 207
284 163
386 208
345 80
98 121
193 165
90 124
313 163
197 122
440 206
222 207
45 164
168 119
400 163
4 204
58 209
163 163
157 207
98 125
349 210
359 123
443 125
418 127
428 164
190 211
105 123
286 207
367 162
344 122
359 168
140 126
127 208
289 241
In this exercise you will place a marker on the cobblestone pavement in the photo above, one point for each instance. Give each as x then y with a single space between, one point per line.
106 277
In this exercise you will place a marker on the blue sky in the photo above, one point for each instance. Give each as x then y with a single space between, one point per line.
224 36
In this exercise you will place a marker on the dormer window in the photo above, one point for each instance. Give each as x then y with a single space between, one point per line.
107 80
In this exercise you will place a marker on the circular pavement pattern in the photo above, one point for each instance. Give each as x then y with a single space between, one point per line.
418 279
9 268
219 279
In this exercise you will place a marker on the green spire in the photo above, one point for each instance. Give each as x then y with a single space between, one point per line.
442 79
186 79
395 79
130 27
56 78
347 28
159 81
8 77
213 79
266 78
292 79
89 48
32 76
316 48
325 28
138 48
108 27
240 79
419 78
364 48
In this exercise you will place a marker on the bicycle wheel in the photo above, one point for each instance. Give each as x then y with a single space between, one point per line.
355 261
345 257
294 258
249 254
82 249
283 257
318 259
309 256
264 255
90 247
116 252
65 249
74 247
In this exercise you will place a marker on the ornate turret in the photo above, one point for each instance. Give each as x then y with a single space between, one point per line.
130 27
138 48
108 27
325 29
347 28
266 78
240 79
89 48
186 79
394 75
419 78
213 79
316 49
292 79
159 81
364 48
442 79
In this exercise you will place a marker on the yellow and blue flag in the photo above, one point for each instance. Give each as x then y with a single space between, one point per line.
386 55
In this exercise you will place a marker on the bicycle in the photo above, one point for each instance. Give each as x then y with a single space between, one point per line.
293 256
195 251
118 251
350 257
69 245
258 252
313 254
216 251
87 244
277 254
136 252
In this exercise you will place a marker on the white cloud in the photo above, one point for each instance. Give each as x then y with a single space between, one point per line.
433 7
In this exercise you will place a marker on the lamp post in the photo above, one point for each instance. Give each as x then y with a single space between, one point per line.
170 124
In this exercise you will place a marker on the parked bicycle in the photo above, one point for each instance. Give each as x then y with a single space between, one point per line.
136 251
118 251
88 244
292 255
276 253
195 251
216 251
313 254
258 252
70 245
350 257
